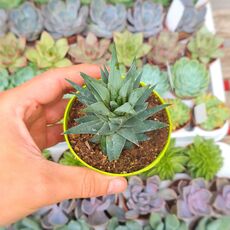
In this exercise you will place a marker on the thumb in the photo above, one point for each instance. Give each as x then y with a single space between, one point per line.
67 182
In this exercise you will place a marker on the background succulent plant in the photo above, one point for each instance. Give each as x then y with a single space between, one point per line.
163 2
194 200
64 18
90 50
144 199
190 78
48 53
114 224
6 4
130 46
180 113
3 22
106 19
4 79
192 18
168 222
41 1
165 48
26 21
146 17
209 223
205 46
12 52
69 159
85 2
152 75
174 161
205 158
26 223
127 3
222 199
217 112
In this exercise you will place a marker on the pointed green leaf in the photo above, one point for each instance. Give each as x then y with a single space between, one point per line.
125 108
113 105
86 118
137 81
146 95
114 145
104 130
142 137
95 139
125 90
128 134
148 126
98 108
136 95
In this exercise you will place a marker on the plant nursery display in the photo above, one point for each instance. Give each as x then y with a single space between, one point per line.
116 114
157 59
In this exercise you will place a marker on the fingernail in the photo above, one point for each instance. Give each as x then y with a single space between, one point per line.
116 186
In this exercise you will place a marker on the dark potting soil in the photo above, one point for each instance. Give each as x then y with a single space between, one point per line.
131 160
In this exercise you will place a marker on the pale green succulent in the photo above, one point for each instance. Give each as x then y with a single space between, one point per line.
169 222
127 3
152 75
205 46
12 52
180 113
114 224
217 112
205 158
69 159
189 78
90 50
3 22
130 46
4 79
116 110
85 2
49 53
9 4
163 2
26 21
174 161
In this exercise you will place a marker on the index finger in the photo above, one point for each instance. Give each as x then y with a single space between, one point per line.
51 84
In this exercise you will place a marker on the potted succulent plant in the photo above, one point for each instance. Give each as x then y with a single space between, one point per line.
116 126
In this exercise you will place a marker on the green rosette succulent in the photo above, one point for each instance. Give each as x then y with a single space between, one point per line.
90 50
217 112
205 46
4 79
130 46
49 53
9 4
180 113
169 222
205 158
174 161
189 78
114 224
12 52
152 75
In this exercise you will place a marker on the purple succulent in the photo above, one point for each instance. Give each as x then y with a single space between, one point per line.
222 201
57 215
144 199
194 200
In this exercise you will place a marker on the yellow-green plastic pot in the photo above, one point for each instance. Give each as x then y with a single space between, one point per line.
65 126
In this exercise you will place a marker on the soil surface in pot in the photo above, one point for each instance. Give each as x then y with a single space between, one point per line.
131 160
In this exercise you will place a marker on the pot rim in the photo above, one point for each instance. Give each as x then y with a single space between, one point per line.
151 165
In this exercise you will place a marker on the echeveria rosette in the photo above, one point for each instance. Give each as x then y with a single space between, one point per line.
210 223
222 199
166 48
12 51
192 18
143 199
217 112
3 22
114 224
174 161
130 46
106 19
152 75
168 222
205 46
190 78
180 113
26 223
146 17
9 4
48 53
90 50
4 80
79 224
64 18
26 21
205 158
194 200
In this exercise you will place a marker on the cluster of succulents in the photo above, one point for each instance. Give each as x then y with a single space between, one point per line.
217 112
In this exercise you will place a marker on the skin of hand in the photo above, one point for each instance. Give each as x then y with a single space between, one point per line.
29 116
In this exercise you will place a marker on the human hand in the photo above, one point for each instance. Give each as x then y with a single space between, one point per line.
29 116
